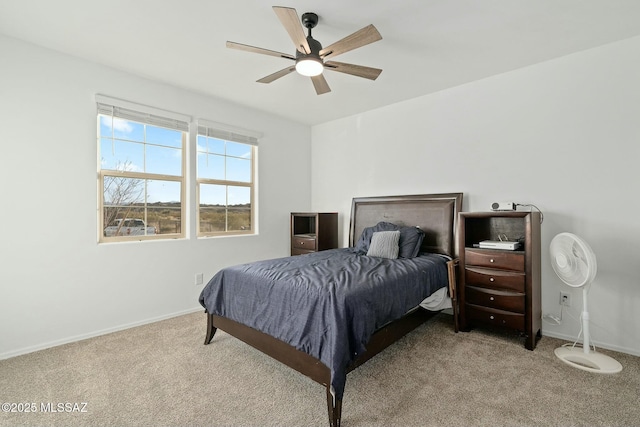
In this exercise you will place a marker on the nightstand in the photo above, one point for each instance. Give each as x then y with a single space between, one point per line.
500 287
313 231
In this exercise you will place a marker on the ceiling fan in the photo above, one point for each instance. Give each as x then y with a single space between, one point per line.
310 57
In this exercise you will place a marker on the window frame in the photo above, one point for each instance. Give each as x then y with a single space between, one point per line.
227 133
147 116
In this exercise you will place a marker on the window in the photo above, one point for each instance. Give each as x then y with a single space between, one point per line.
225 183
141 171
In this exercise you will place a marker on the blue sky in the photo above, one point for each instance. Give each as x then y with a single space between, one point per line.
152 149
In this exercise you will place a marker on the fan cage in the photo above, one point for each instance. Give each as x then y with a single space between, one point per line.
573 260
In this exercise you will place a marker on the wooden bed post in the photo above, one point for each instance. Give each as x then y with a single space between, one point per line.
452 266
211 330
335 411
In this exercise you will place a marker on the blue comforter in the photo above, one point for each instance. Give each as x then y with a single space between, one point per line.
327 304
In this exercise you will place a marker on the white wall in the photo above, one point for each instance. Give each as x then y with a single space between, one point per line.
56 283
563 135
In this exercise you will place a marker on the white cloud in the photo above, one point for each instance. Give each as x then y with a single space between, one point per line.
122 125
118 124
131 167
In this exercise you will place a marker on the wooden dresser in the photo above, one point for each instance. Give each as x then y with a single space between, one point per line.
313 231
500 287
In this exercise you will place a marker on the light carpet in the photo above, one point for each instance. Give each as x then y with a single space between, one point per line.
162 374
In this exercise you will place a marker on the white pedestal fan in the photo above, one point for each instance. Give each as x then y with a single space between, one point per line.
575 264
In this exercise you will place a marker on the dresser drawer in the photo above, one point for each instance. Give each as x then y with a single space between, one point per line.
296 251
495 259
495 317
496 279
509 301
308 243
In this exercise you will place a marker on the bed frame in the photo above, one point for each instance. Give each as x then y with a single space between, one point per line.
436 215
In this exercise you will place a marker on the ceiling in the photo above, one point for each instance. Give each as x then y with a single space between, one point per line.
427 45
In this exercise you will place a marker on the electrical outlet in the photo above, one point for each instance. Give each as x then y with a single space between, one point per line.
565 299
198 279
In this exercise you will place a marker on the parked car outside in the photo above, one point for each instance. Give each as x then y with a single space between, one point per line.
128 227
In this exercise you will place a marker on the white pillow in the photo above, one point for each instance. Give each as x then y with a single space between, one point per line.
384 244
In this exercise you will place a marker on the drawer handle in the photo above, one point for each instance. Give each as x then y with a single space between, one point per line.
491 279
491 260
302 243
491 298
491 317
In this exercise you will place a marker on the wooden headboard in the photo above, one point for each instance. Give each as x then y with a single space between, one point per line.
435 214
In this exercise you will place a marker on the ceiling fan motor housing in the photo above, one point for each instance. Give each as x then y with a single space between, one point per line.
309 21
310 64
315 47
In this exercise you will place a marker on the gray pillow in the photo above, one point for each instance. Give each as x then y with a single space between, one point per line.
362 245
410 239
384 244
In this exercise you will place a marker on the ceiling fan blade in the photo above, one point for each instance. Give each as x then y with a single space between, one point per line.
277 75
291 22
247 48
362 37
320 83
354 70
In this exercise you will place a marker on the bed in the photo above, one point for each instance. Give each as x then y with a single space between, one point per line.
324 314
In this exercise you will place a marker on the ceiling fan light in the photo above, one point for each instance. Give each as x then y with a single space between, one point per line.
309 66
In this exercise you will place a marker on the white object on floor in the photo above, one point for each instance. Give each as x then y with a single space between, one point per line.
439 300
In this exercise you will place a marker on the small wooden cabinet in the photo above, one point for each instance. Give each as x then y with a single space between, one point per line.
500 287
313 231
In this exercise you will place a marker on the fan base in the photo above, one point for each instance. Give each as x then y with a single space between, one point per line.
591 361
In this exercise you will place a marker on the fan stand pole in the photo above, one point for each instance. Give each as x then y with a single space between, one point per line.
586 359
585 321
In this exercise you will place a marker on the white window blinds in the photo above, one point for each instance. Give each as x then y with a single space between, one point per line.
227 133
141 113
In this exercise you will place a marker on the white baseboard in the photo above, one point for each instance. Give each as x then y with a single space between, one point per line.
68 340
612 347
